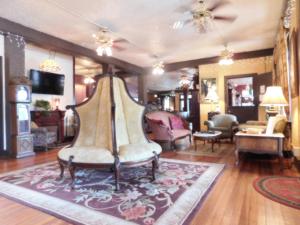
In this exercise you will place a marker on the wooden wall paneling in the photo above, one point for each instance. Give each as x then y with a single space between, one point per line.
1 106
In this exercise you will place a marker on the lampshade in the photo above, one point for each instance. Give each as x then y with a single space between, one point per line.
274 97
212 95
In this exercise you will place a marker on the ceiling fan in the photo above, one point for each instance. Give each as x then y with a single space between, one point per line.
203 16
106 43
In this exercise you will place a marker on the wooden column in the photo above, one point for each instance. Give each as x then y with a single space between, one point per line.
14 60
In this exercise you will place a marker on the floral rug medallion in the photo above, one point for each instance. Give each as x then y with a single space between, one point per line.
173 198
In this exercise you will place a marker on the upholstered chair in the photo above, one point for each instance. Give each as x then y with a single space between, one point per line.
43 137
110 133
226 123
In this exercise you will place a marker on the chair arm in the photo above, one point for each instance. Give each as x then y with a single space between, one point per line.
209 123
39 130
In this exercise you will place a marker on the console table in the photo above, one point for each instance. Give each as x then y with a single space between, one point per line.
260 144
50 118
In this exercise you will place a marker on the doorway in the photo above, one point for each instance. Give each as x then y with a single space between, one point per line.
243 94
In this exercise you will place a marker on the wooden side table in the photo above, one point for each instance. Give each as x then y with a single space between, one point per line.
260 144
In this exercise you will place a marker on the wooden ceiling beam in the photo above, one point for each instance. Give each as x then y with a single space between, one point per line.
59 45
196 62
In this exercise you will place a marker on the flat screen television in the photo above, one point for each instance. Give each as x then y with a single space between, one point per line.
47 83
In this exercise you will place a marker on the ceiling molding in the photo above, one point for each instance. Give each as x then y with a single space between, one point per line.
196 62
59 45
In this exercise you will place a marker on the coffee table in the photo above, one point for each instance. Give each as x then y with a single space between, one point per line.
207 136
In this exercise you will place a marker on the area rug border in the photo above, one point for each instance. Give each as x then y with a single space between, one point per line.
270 195
184 209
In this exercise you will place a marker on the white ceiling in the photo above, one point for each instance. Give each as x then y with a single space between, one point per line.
147 25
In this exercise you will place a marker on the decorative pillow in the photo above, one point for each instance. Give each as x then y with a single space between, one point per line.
34 125
176 122
276 123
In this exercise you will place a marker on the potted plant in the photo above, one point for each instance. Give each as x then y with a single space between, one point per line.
42 105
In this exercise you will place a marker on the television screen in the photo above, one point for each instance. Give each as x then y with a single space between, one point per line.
47 83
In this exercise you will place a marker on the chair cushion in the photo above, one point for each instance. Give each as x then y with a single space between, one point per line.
180 133
176 122
220 128
87 154
138 152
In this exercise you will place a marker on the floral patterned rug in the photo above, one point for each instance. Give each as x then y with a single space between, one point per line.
173 198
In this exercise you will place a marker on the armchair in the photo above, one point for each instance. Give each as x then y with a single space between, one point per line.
226 123
43 137
110 133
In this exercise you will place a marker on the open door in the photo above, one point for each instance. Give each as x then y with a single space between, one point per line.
242 94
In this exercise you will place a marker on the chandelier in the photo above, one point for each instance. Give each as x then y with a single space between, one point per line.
202 17
158 68
50 65
104 43
184 82
226 57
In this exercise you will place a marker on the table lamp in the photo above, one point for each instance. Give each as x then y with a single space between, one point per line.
212 96
274 98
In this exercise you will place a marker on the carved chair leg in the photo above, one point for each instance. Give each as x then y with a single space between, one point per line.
71 170
156 159
72 173
154 166
190 138
62 169
117 173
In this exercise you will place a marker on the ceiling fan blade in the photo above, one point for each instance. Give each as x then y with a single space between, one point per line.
218 4
225 18
118 48
120 40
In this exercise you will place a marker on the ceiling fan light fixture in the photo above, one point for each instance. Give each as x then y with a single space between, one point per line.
158 68
226 58
104 43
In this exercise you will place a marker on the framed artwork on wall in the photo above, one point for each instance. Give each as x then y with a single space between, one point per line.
207 87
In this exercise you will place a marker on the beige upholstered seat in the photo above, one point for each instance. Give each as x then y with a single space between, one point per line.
111 131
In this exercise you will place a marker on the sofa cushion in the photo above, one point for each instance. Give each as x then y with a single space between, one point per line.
180 133
138 151
176 122
88 154
158 122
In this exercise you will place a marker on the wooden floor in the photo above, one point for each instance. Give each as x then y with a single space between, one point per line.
232 200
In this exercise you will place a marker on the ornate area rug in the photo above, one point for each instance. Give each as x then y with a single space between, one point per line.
173 198
285 190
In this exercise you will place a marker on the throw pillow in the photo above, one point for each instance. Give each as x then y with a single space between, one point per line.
176 122
34 125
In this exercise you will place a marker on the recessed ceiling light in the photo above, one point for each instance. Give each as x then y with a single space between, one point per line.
177 25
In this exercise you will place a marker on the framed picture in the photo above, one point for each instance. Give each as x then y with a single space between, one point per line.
207 85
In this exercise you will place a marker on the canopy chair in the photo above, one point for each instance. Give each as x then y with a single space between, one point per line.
111 133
